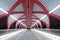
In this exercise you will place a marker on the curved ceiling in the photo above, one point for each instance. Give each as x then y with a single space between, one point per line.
29 11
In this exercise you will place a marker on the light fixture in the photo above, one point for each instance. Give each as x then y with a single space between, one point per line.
58 6
3 10
11 16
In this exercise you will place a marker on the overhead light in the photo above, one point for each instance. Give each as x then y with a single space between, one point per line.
43 17
48 35
33 24
7 13
3 10
13 17
54 9
58 6
37 21
22 23
6 36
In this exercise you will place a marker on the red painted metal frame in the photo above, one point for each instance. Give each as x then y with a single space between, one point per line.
28 6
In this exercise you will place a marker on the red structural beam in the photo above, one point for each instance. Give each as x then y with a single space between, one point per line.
28 10
28 6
